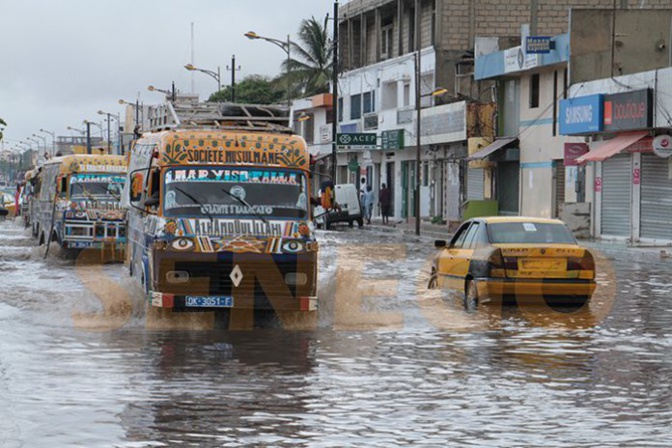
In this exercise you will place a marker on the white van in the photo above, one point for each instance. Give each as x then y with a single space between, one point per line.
351 210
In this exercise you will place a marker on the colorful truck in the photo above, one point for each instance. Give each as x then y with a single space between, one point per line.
219 217
77 203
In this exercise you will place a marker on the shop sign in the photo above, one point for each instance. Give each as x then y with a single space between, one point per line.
573 151
515 60
598 184
356 140
581 115
538 44
628 110
636 176
662 146
393 139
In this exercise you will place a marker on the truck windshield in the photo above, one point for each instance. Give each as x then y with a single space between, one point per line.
240 192
96 186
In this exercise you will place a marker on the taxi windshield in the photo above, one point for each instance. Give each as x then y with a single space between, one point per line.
96 186
239 192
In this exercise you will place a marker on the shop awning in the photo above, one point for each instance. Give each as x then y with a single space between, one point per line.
493 147
611 147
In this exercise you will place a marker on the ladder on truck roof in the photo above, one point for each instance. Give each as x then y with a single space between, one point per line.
225 116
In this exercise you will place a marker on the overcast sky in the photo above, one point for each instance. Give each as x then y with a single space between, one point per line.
62 60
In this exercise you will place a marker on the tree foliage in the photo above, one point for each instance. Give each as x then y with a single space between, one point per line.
253 89
3 123
311 70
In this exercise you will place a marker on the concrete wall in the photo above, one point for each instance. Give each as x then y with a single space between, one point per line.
641 42
538 146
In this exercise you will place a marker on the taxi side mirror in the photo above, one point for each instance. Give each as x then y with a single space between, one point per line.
440 244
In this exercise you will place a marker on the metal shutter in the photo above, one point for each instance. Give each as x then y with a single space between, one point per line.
475 184
656 198
559 186
616 195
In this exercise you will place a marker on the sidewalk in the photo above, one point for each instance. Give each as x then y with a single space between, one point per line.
427 229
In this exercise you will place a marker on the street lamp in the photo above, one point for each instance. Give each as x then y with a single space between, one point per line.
100 112
169 93
137 107
53 140
44 139
70 128
215 75
286 46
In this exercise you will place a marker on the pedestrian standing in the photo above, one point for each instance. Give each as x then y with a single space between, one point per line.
369 200
385 201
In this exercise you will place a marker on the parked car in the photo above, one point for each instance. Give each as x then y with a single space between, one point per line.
349 209
7 202
514 259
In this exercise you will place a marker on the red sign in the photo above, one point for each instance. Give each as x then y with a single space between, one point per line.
573 151
598 184
636 176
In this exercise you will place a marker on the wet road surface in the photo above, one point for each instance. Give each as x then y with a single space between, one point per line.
389 363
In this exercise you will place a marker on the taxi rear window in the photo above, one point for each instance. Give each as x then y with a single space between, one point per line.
529 233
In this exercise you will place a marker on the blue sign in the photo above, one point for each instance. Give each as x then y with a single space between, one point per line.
538 44
581 115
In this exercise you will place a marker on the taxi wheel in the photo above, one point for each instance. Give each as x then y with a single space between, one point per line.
433 281
470 296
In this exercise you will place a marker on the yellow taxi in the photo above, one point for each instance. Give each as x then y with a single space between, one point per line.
7 202
514 259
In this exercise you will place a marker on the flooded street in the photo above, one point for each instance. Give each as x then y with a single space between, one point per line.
388 364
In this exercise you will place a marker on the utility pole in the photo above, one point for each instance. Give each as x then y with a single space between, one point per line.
334 82
88 137
109 143
418 98
233 70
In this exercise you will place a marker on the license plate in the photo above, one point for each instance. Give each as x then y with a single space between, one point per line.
542 264
209 301
79 244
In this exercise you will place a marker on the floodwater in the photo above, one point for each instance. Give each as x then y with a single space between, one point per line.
386 364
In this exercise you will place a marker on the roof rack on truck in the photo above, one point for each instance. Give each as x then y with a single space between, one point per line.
225 116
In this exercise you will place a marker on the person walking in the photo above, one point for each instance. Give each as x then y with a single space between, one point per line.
369 200
385 201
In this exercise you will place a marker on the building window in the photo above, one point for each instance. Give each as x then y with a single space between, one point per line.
369 102
355 107
386 41
309 129
407 94
534 91
340 110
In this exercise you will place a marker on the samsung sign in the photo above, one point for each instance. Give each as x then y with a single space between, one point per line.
581 115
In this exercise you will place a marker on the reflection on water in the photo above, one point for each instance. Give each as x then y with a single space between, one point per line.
389 363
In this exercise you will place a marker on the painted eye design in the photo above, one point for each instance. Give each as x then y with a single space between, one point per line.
183 244
292 246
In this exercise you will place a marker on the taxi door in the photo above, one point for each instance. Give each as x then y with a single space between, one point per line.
455 259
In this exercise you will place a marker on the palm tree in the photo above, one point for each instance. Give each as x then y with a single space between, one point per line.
2 127
310 73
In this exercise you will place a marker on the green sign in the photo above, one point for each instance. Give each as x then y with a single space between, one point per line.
392 139
353 166
356 141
